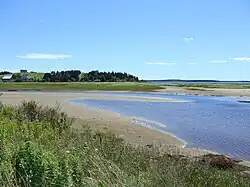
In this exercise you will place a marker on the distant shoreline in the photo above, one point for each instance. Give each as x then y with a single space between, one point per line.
202 91
241 93
233 90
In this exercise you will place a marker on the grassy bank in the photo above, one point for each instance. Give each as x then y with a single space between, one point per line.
225 86
79 86
40 146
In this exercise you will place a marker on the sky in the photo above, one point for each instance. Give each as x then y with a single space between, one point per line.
152 39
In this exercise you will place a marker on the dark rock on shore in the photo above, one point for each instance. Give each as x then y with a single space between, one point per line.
221 162
244 101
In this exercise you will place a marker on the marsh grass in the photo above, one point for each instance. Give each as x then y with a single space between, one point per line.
78 86
39 146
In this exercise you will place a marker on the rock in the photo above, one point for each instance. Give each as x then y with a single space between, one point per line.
219 161
243 101
222 162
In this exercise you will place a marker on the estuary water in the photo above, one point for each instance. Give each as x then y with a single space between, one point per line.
220 124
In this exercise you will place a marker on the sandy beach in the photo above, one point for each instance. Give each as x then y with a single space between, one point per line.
97 119
206 91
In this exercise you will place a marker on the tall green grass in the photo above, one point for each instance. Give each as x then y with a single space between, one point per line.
40 146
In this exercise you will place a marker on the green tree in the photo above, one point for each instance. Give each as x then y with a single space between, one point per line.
17 77
103 78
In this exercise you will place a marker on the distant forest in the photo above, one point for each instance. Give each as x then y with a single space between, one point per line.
72 76
92 76
5 73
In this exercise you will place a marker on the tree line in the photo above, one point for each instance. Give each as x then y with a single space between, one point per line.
74 76
5 73
62 76
108 77
92 76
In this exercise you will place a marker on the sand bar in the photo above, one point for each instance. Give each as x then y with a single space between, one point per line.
206 91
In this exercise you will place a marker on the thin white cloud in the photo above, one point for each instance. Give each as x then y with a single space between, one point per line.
217 61
160 63
188 39
243 59
40 56
192 63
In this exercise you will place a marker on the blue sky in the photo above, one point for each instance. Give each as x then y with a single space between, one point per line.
153 39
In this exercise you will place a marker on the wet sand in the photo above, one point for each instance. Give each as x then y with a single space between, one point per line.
97 119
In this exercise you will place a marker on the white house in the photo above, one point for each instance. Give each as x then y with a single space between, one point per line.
7 78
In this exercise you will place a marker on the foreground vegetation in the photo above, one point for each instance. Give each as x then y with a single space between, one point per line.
78 86
41 146
225 86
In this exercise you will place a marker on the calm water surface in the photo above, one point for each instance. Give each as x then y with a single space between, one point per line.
215 123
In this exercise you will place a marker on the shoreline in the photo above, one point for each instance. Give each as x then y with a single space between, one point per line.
179 146
136 121
215 92
98 119
104 120
144 122
173 90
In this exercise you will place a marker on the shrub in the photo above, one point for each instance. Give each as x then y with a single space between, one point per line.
32 111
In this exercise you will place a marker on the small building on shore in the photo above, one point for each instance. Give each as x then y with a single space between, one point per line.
7 78
23 71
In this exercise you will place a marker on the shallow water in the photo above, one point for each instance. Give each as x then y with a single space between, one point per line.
220 124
